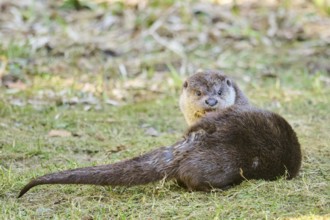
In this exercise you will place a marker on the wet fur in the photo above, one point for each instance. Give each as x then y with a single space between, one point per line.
220 150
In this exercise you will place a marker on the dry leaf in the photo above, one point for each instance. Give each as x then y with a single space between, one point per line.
17 102
112 102
152 132
13 82
59 133
118 149
16 85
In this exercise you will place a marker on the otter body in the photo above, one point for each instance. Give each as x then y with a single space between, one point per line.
221 148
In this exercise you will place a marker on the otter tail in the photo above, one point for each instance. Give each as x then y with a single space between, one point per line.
150 167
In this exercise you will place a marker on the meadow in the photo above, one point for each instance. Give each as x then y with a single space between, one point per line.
95 82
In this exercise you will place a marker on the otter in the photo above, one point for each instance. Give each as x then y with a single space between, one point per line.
228 141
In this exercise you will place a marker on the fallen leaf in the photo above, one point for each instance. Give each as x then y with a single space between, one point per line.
118 149
16 85
112 102
17 102
59 133
151 132
13 82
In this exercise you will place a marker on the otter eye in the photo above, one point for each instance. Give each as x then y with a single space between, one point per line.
185 84
228 82
220 92
198 93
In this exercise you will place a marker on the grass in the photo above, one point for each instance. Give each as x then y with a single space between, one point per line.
67 87
26 152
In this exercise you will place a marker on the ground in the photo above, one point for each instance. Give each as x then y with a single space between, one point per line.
87 83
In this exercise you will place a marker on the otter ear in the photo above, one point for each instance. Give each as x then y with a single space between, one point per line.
228 82
185 84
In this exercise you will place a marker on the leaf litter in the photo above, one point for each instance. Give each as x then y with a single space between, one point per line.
118 51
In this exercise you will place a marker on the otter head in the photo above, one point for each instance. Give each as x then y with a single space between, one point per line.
206 91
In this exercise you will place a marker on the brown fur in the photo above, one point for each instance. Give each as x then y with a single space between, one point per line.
220 150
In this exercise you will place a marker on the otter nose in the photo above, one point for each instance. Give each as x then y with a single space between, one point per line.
211 102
